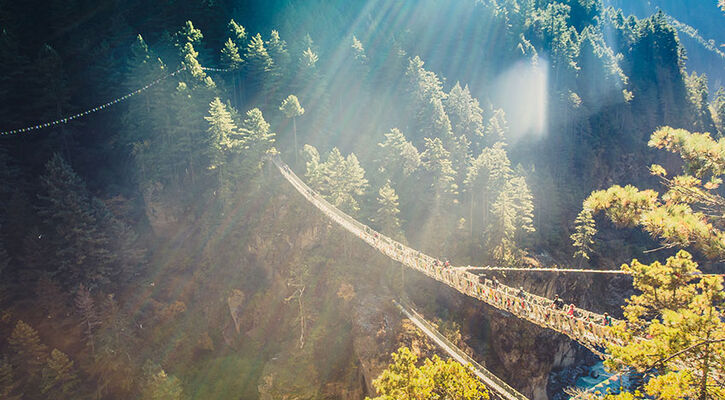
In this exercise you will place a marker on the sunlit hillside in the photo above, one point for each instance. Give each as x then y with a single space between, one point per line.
384 200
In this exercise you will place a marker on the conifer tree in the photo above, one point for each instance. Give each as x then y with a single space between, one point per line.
258 140
701 119
683 320
89 317
82 252
309 59
398 158
386 217
313 168
464 113
230 57
27 352
258 63
292 109
718 111
359 51
583 237
9 386
221 130
440 174
277 49
435 379
60 380
237 34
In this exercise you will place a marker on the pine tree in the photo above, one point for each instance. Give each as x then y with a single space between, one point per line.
701 119
89 317
464 113
82 253
353 185
683 320
314 170
221 130
9 386
277 49
440 174
258 63
258 142
718 111
398 158
28 353
230 57
583 237
386 217
60 380
513 214
237 34
435 379
292 109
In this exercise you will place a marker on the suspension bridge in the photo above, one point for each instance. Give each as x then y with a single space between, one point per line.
587 328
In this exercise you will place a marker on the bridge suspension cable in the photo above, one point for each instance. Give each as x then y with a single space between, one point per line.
562 270
589 329
65 120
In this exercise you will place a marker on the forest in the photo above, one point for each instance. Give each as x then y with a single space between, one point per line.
154 243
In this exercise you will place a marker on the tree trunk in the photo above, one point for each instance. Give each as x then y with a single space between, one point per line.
294 129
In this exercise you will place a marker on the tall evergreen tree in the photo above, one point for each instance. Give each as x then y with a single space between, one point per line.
230 57
60 380
386 216
291 109
28 352
258 64
439 174
88 315
464 113
237 34
82 253
398 158
257 140
718 111
9 385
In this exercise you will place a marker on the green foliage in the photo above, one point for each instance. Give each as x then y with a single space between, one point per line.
697 92
440 177
258 63
28 354
60 380
718 111
682 319
398 158
583 236
80 229
230 57
161 386
434 380
689 212
291 107
341 180
386 217
8 383
464 113
237 34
